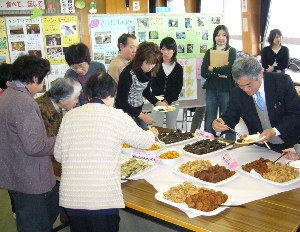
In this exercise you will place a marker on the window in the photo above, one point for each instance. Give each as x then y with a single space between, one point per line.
287 22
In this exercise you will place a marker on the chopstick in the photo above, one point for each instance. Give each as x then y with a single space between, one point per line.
266 144
126 179
278 158
241 206
230 129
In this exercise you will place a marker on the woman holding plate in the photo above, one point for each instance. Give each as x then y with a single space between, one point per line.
168 83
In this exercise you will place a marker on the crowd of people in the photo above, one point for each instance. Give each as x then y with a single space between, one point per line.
104 110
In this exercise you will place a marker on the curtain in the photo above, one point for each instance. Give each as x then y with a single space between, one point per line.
264 20
198 6
152 6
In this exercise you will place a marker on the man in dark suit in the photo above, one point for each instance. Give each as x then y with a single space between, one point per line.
267 102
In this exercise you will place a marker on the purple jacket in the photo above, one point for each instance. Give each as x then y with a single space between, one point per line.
25 149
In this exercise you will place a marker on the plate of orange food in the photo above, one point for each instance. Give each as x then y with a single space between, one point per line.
164 108
246 139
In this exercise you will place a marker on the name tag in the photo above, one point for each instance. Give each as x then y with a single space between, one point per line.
203 135
144 156
228 161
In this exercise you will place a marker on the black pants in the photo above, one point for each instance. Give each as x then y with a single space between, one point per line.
102 223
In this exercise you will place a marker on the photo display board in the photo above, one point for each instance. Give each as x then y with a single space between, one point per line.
192 32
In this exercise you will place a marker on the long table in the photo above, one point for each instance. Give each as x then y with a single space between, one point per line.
280 212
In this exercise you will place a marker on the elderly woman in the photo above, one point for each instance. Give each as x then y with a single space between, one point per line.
63 94
88 146
26 169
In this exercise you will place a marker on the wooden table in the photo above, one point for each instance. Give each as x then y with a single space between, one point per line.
280 212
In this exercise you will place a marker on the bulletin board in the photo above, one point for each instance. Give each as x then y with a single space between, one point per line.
192 32
44 36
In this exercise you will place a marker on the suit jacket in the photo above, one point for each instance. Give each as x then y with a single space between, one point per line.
283 106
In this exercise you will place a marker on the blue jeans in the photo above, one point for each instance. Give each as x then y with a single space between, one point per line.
36 212
216 100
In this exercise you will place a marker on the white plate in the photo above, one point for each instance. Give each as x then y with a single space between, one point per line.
210 153
254 137
259 177
177 171
160 98
153 166
164 109
160 197
295 164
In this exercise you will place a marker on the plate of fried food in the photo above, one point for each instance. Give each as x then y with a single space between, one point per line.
267 171
195 199
246 139
164 109
203 172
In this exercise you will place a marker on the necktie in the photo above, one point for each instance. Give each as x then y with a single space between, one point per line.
260 102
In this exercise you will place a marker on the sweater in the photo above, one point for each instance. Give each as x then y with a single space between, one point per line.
116 67
268 57
51 117
94 67
132 87
170 86
25 163
88 146
213 81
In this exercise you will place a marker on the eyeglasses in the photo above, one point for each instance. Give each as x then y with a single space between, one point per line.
81 66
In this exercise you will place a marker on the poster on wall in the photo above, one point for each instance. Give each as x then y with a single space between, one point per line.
59 32
189 88
22 5
4 53
192 32
104 34
24 36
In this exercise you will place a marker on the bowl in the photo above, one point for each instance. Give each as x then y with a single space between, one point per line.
171 161
153 151
127 150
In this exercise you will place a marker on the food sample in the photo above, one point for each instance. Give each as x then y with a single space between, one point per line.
153 147
260 166
180 192
169 155
170 108
243 139
206 200
276 172
204 146
191 167
175 136
125 145
214 174
132 167
280 173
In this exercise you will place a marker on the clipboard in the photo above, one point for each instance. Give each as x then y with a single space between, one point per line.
218 58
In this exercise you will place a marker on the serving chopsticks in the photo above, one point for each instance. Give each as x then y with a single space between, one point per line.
278 158
238 134
240 206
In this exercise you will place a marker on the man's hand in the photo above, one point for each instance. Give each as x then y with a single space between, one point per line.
290 154
219 125
268 133
146 118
